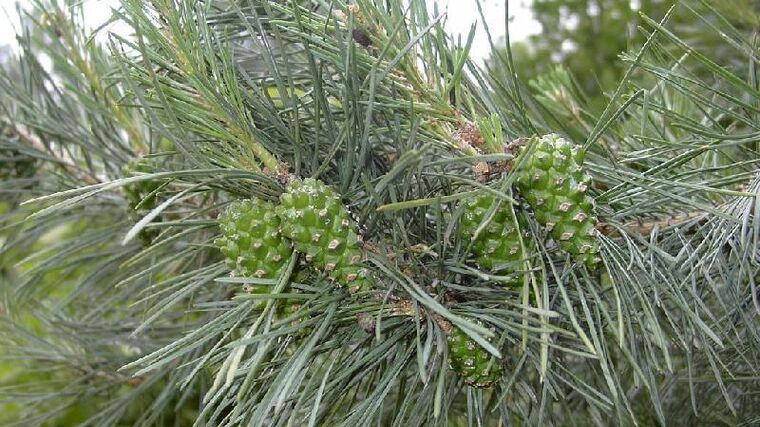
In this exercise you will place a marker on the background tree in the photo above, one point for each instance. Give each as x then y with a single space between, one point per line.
586 37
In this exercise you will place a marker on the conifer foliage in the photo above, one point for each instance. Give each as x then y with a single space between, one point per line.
325 213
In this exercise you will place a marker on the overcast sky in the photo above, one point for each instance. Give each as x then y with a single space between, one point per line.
461 15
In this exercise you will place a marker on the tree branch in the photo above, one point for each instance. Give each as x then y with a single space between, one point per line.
645 227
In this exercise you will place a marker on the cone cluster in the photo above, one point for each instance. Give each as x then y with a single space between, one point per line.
554 184
258 237
472 362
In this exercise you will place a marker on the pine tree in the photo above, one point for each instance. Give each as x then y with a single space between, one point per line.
324 186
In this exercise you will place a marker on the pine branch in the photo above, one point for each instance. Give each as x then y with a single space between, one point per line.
645 228
430 172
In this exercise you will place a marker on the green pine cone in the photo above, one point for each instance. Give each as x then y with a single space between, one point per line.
251 239
318 223
478 367
14 165
497 246
554 184
140 195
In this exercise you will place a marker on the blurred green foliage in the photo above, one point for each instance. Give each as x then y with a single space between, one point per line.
587 36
